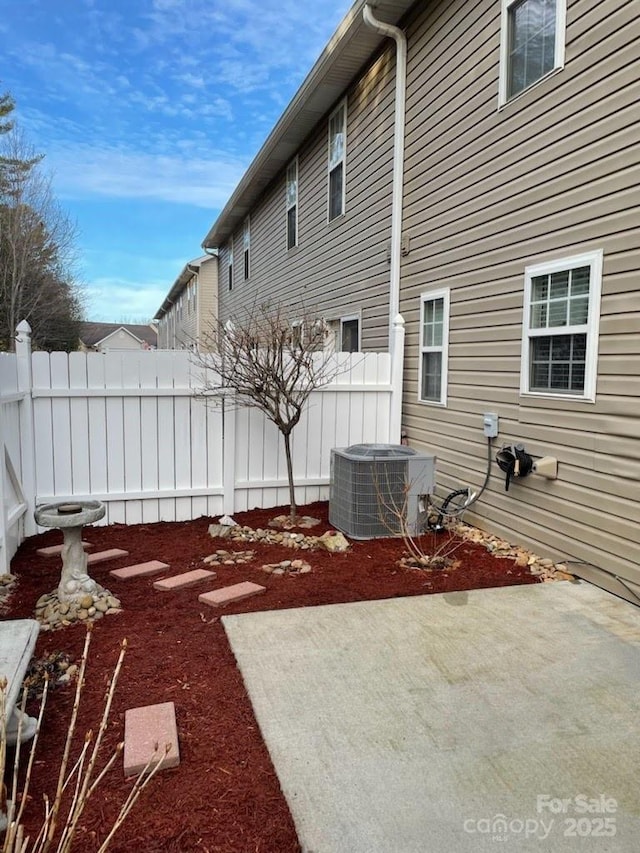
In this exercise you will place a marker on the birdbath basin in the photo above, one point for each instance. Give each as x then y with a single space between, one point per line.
71 517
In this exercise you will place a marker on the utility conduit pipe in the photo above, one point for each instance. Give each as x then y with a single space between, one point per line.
396 323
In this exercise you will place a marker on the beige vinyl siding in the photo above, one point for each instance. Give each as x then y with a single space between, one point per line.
188 321
189 325
487 192
341 267
207 300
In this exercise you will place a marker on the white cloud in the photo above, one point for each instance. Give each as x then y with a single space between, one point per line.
110 300
85 171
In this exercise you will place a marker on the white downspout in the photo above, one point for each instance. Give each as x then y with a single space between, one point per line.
396 347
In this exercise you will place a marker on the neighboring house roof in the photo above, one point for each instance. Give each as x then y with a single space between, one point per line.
93 334
348 50
188 271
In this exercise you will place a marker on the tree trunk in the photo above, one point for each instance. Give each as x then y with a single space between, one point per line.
292 491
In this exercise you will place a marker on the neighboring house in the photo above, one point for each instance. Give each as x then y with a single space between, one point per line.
516 269
100 337
189 312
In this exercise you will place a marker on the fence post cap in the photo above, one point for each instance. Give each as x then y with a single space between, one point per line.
23 328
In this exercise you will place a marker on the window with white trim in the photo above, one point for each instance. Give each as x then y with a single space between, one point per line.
560 327
337 155
532 43
350 334
246 246
434 346
292 204
297 334
230 266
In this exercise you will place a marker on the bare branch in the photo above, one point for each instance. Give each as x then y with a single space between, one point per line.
270 359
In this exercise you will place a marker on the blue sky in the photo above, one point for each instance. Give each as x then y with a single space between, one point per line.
149 112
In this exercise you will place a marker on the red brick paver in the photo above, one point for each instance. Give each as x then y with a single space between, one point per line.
139 570
229 594
185 579
147 729
55 550
101 556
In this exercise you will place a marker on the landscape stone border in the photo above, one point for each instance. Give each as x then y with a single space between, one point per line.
543 567
229 558
53 613
287 567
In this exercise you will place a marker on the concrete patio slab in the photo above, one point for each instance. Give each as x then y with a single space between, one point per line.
454 722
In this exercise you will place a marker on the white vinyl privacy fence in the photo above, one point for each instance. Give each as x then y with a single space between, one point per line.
126 428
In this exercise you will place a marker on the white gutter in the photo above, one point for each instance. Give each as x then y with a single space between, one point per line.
396 341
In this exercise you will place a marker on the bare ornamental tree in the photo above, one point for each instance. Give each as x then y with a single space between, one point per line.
268 361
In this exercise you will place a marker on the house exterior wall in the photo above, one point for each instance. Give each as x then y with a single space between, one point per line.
176 327
207 300
338 268
489 191
120 340
186 322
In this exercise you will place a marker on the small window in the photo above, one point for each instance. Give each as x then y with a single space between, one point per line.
434 347
292 204
560 328
337 154
246 245
230 267
532 43
350 334
297 335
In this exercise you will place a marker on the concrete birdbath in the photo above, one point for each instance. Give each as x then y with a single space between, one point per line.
75 582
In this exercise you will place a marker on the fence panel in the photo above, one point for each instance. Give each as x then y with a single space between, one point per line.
127 428
13 503
124 428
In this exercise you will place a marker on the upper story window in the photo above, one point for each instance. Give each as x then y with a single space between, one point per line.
337 155
434 346
246 246
560 327
532 43
292 204
230 266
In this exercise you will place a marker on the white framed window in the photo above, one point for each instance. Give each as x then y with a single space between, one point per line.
230 266
246 247
342 333
561 319
350 334
337 159
297 334
292 204
532 41
434 347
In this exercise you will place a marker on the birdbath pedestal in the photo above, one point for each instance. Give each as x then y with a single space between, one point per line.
71 518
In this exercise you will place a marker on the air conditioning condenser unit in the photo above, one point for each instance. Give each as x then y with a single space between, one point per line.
376 488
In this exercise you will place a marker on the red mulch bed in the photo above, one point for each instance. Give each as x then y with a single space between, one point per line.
225 795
